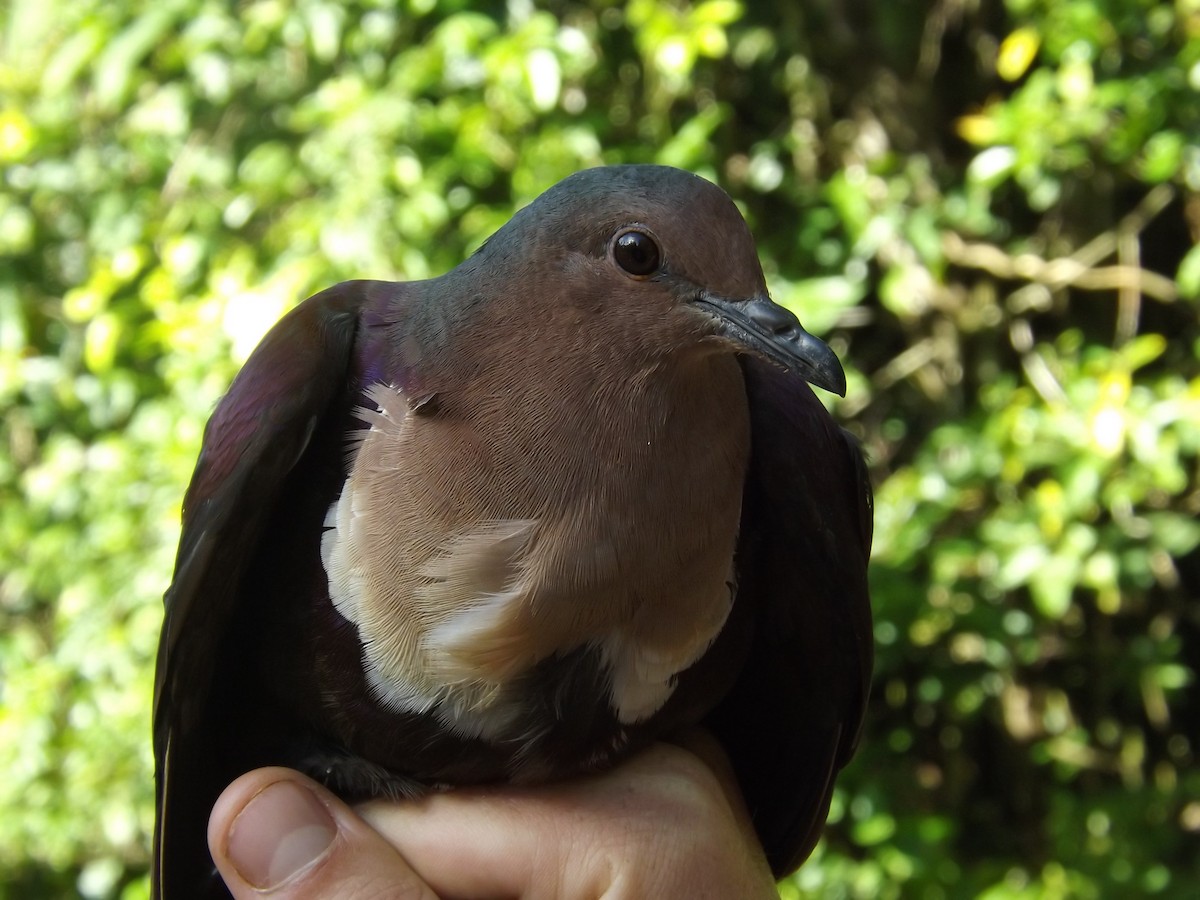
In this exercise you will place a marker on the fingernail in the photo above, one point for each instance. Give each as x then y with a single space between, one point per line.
283 829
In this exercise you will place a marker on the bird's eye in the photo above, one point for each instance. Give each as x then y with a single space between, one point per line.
637 253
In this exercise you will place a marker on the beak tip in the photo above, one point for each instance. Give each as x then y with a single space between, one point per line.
817 363
839 385
830 379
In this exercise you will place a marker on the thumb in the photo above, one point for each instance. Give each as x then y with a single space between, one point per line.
275 833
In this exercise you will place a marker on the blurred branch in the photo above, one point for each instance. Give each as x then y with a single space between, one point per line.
1036 368
906 363
1129 295
1079 270
1062 272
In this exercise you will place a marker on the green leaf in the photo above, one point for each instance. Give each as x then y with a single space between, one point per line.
1188 274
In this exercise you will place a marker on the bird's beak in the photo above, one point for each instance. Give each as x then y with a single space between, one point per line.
763 326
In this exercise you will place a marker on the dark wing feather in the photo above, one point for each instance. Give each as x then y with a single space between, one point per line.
793 718
256 435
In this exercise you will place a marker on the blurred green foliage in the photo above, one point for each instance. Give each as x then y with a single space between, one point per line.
991 209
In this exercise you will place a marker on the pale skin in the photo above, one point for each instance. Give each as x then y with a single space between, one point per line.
669 823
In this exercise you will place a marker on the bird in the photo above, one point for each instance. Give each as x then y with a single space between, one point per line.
512 523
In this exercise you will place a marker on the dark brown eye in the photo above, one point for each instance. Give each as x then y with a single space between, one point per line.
637 253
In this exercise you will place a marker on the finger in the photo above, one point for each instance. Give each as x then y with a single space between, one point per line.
701 744
469 842
274 833
572 839
624 832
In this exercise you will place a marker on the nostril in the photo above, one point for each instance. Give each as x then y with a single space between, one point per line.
771 317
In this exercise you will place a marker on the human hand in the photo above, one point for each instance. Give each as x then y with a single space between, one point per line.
668 823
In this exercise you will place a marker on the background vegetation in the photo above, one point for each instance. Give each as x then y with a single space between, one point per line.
989 208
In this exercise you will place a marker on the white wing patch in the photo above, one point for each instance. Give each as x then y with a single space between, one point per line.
346 521
482 564
418 613
644 675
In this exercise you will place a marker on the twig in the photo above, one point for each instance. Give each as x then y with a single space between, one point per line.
1035 366
1079 269
1129 295
1065 271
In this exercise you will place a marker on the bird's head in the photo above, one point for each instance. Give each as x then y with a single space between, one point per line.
662 250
